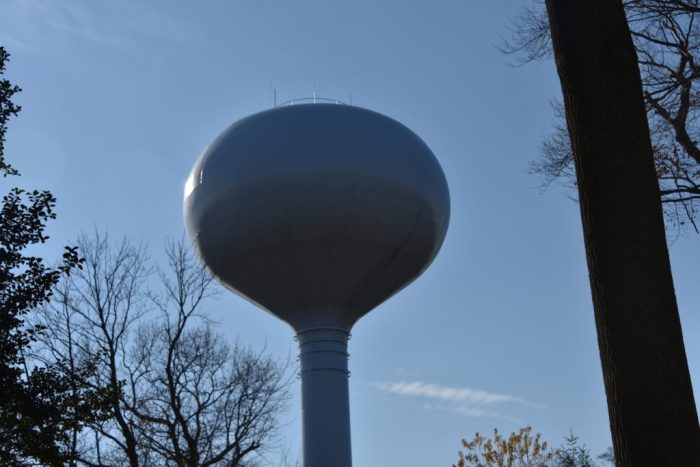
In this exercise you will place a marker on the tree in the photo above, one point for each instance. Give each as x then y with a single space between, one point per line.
571 454
521 450
667 41
650 399
608 456
91 317
524 450
39 405
185 395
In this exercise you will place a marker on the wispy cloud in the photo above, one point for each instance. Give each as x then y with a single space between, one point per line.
469 411
130 28
460 400
445 393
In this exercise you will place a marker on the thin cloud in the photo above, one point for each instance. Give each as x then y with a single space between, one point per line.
469 411
446 393
130 28
458 400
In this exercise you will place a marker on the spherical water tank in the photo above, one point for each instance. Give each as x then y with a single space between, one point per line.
317 212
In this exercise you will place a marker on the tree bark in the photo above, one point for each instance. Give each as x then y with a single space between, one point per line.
650 397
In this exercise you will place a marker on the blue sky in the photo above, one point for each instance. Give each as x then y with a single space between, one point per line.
120 97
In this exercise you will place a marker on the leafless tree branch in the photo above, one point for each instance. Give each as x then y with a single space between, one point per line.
667 41
184 395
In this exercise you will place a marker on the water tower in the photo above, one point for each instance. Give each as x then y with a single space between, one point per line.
318 213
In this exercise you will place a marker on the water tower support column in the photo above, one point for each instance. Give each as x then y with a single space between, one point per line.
323 355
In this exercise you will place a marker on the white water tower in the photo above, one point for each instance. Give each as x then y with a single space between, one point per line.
318 213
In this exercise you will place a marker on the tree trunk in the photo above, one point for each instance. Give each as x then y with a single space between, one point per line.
650 398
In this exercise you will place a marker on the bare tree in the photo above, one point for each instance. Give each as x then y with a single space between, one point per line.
92 318
203 402
183 395
667 41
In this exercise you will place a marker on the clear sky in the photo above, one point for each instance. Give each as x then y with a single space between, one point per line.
120 97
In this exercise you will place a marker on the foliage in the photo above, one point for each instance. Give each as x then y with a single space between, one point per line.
7 109
524 450
667 41
520 449
571 454
39 405
608 456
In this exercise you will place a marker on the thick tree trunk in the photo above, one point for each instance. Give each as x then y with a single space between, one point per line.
650 398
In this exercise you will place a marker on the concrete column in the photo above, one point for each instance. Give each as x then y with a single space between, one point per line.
323 354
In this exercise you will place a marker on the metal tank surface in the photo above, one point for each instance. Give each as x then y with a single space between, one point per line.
318 213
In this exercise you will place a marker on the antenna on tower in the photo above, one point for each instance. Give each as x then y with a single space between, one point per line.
314 89
274 97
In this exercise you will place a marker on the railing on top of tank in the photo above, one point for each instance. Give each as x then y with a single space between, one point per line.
312 100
